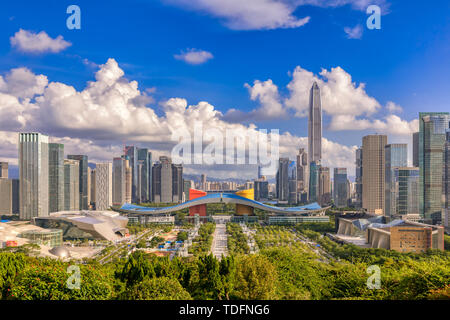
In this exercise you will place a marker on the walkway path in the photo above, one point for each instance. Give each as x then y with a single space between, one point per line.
219 245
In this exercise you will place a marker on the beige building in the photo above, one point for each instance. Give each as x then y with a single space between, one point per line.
4 170
373 173
324 195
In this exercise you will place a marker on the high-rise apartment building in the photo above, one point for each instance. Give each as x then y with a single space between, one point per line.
324 195
71 185
358 178
340 188
315 124
55 177
167 181
373 176
33 173
83 179
282 179
4 170
396 155
432 136
103 186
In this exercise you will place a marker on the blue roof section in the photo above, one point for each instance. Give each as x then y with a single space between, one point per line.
218 197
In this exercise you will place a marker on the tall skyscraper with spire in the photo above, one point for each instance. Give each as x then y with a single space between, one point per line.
315 125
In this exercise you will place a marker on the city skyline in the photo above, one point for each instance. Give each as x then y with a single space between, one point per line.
112 98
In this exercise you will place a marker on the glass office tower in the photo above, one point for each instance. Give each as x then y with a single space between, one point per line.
396 155
33 173
313 194
432 136
340 189
55 177
405 191
83 179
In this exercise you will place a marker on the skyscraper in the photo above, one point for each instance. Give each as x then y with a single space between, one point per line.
71 185
324 195
167 181
313 190
315 125
373 177
340 189
396 155
120 191
447 179
83 179
404 192
93 191
432 136
203 182
103 186
4 170
144 161
55 177
132 153
292 183
358 178
282 179
33 173
416 149
302 175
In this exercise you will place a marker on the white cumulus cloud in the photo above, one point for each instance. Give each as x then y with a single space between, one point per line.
194 56
29 41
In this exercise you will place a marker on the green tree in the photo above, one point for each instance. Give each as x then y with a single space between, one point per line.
136 269
10 265
256 278
157 289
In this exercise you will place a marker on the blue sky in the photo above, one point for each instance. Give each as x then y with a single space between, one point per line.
406 62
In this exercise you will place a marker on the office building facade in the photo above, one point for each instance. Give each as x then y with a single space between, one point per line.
446 182
373 176
358 178
55 177
396 155
302 175
415 144
405 191
71 185
340 187
33 175
282 180
313 190
103 186
432 136
324 196
83 179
